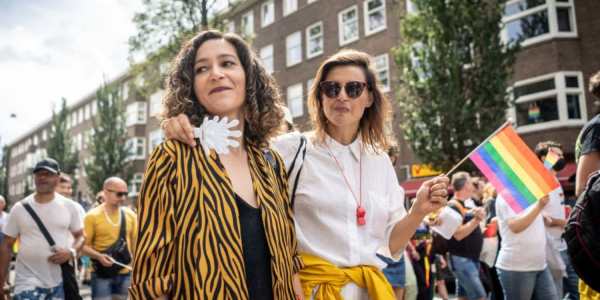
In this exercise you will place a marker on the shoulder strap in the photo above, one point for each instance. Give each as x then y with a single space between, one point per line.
302 148
458 205
39 224
272 161
123 226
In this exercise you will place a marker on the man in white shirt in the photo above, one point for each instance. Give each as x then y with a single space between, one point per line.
38 272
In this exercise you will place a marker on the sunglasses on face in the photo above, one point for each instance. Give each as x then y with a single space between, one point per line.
119 194
332 89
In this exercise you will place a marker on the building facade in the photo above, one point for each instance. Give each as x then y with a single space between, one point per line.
560 50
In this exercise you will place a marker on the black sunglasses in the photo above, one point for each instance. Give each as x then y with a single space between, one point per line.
119 194
332 89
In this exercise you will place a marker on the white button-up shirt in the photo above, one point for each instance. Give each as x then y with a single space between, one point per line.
325 208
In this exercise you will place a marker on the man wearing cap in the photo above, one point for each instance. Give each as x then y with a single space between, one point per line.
38 272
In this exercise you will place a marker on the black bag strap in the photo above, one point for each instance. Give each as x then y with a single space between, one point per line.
39 223
123 225
301 148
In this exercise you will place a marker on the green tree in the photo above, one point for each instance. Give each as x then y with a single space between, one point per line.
162 27
454 72
60 146
109 150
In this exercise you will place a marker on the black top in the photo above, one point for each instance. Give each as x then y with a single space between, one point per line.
257 257
471 245
588 140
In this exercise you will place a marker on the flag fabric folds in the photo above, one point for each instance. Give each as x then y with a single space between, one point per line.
513 169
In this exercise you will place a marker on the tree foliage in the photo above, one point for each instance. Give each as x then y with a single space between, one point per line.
60 146
454 72
162 27
109 150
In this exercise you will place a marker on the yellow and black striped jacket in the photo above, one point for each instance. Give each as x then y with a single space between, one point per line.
189 243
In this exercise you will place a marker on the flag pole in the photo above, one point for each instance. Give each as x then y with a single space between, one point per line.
508 122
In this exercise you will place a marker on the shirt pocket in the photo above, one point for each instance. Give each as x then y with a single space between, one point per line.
377 214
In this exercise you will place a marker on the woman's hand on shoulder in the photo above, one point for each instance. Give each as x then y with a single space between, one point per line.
178 128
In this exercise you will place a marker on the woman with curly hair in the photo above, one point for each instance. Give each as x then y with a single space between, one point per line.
346 198
217 226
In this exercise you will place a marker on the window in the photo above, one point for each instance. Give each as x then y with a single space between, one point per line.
79 116
136 113
411 8
44 135
314 40
267 13
309 85
374 16
135 184
289 6
293 45
230 26
382 67
154 139
533 21
311 1
94 108
348 25
548 101
156 103
266 56
125 91
248 24
137 148
86 112
294 100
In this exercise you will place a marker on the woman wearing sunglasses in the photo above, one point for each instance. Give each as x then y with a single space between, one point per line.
347 204
217 226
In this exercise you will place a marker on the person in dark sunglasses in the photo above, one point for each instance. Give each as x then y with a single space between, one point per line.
346 198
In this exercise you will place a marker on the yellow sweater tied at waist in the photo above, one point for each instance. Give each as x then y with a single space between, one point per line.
330 279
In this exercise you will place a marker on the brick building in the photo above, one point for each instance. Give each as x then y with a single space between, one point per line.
560 51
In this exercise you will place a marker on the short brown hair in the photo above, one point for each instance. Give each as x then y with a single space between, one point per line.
373 122
262 110
459 180
64 178
595 85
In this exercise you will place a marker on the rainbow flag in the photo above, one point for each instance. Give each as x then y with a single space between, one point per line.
513 169
551 159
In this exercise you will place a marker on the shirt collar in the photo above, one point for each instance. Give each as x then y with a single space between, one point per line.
337 148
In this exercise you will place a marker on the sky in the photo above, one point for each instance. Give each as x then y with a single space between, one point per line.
57 48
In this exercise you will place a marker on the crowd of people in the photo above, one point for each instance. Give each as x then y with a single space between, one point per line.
251 209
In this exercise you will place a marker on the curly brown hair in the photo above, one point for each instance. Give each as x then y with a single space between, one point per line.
373 122
262 106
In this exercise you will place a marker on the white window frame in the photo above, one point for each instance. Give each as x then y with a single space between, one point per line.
136 181
550 8
136 143
560 91
263 21
154 139
288 39
309 38
341 25
156 102
386 68
296 111
247 27
230 26
136 113
287 8
266 54
366 17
